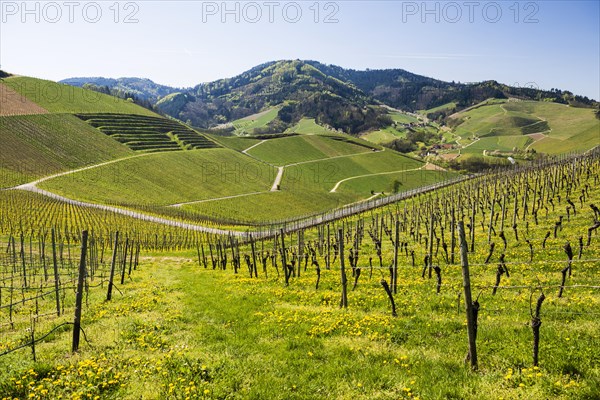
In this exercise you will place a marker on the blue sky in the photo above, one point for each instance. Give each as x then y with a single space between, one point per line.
535 43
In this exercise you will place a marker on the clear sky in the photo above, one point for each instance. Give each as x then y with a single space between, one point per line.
548 44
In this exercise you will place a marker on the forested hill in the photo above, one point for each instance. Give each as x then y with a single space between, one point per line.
344 99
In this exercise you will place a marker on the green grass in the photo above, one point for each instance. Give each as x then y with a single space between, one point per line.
443 107
323 175
386 183
38 145
60 98
402 118
500 143
272 206
247 124
386 135
235 142
284 151
567 128
167 178
309 126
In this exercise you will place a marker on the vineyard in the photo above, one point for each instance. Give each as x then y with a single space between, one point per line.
144 133
58 98
498 272
47 144
12 103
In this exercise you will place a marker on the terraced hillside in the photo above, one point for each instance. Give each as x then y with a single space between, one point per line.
40 136
145 133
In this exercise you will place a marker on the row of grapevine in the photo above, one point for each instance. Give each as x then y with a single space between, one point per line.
144 133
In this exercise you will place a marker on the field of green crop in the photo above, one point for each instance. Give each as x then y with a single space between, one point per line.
403 118
60 98
238 143
295 201
271 207
32 212
34 146
567 128
222 183
161 179
501 143
323 175
247 124
389 183
309 126
290 150
443 107
384 135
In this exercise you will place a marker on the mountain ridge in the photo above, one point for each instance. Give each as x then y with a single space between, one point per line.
345 99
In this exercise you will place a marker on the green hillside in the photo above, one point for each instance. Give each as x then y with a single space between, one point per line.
226 184
306 188
385 135
309 126
161 179
37 145
144 133
297 199
296 149
60 98
238 143
323 175
552 127
246 125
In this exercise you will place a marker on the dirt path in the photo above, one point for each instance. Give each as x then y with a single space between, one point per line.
129 213
37 182
536 138
337 185
277 181
32 187
253 146
215 199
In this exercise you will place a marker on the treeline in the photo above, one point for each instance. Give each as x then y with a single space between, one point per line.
336 96
411 141
122 94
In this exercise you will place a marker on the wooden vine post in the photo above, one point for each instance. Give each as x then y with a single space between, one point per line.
396 244
344 299
283 260
112 267
56 279
471 321
79 295
536 322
